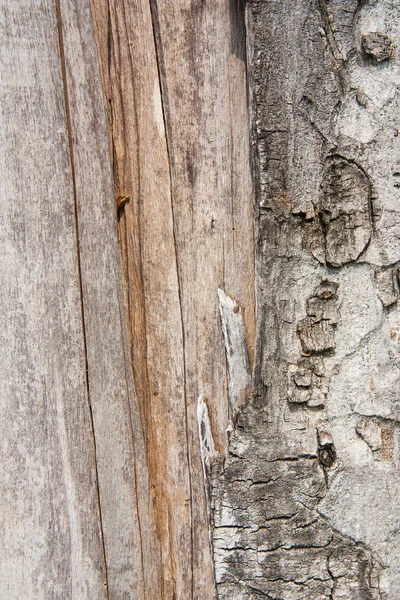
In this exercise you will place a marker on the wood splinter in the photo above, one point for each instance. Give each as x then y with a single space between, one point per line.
121 201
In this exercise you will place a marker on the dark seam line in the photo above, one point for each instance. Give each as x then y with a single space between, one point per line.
128 364
145 392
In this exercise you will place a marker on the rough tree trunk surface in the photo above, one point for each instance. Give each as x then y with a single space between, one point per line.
304 501
219 418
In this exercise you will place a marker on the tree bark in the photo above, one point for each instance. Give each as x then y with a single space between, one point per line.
304 500
201 250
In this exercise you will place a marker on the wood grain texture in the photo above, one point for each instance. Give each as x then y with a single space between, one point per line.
108 431
120 454
175 90
73 524
142 172
49 515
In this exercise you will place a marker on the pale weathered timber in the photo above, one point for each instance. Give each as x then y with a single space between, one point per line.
202 73
304 504
175 91
51 542
73 524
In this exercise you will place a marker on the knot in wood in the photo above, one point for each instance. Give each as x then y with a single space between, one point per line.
344 211
327 455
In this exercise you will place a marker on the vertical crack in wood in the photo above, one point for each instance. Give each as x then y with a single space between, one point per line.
143 352
71 154
127 354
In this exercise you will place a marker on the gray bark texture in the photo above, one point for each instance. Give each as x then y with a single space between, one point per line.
304 499
200 285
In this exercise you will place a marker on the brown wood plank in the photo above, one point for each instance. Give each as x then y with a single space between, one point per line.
142 172
124 489
175 87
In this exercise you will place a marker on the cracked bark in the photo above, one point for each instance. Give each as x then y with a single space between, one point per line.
325 367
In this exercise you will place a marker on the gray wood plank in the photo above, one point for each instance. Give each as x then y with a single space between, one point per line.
49 520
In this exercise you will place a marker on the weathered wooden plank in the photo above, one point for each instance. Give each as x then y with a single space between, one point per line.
201 51
142 173
175 89
202 66
49 517
131 555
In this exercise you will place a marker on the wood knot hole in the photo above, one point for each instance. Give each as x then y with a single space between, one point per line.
327 455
